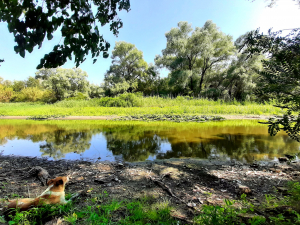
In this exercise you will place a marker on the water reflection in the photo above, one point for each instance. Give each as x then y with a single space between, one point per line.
141 141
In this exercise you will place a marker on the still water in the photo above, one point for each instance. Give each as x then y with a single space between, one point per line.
242 140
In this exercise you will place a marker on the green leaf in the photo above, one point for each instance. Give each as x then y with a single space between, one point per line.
22 53
105 55
49 36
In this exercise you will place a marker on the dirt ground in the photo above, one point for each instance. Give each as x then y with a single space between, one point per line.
186 183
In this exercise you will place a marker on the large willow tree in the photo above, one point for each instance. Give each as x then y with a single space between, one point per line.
127 70
191 54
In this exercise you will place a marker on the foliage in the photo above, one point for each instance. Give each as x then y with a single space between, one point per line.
191 55
149 105
239 80
96 91
127 69
140 211
280 78
34 94
6 93
64 82
31 21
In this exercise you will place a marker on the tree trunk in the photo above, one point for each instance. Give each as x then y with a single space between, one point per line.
201 81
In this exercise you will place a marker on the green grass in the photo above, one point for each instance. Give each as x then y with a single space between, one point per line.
101 209
139 106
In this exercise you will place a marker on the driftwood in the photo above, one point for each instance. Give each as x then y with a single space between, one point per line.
165 188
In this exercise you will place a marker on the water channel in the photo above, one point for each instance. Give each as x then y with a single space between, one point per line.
243 140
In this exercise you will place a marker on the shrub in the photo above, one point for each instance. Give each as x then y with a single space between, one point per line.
6 93
32 94
48 96
79 96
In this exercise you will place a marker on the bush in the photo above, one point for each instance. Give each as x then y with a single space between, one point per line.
48 96
6 93
34 94
123 100
79 96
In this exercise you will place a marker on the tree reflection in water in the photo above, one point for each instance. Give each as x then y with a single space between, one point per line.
61 142
138 142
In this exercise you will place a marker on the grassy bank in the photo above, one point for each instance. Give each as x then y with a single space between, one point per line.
138 106
99 208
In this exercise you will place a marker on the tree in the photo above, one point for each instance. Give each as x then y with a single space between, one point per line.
64 82
189 55
32 20
280 78
239 80
127 69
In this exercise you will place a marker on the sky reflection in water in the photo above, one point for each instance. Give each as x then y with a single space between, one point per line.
138 141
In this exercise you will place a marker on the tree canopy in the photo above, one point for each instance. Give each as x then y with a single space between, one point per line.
31 21
64 82
280 78
192 54
127 69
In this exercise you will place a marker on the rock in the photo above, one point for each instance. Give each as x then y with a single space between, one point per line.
99 181
275 170
283 159
41 174
242 189
57 221
246 216
283 190
191 204
290 157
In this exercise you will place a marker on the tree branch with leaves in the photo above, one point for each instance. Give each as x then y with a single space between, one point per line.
31 21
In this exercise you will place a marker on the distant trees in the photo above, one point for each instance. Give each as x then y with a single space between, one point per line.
64 82
191 55
31 21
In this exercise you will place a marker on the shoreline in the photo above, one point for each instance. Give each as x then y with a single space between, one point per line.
193 182
227 117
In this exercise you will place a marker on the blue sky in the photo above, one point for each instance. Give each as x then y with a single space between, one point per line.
146 24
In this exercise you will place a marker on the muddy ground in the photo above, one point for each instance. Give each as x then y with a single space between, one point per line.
192 182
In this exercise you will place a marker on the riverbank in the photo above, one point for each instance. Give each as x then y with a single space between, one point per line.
227 117
174 191
146 106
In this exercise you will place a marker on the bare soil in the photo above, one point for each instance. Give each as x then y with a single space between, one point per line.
192 182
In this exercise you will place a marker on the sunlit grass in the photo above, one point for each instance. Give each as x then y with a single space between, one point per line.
151 105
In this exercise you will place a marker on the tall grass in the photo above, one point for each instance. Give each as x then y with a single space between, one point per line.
130 104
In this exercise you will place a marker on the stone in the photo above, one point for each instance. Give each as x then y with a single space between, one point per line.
191 204
246 216
242 189
283 190
275 170
283 159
